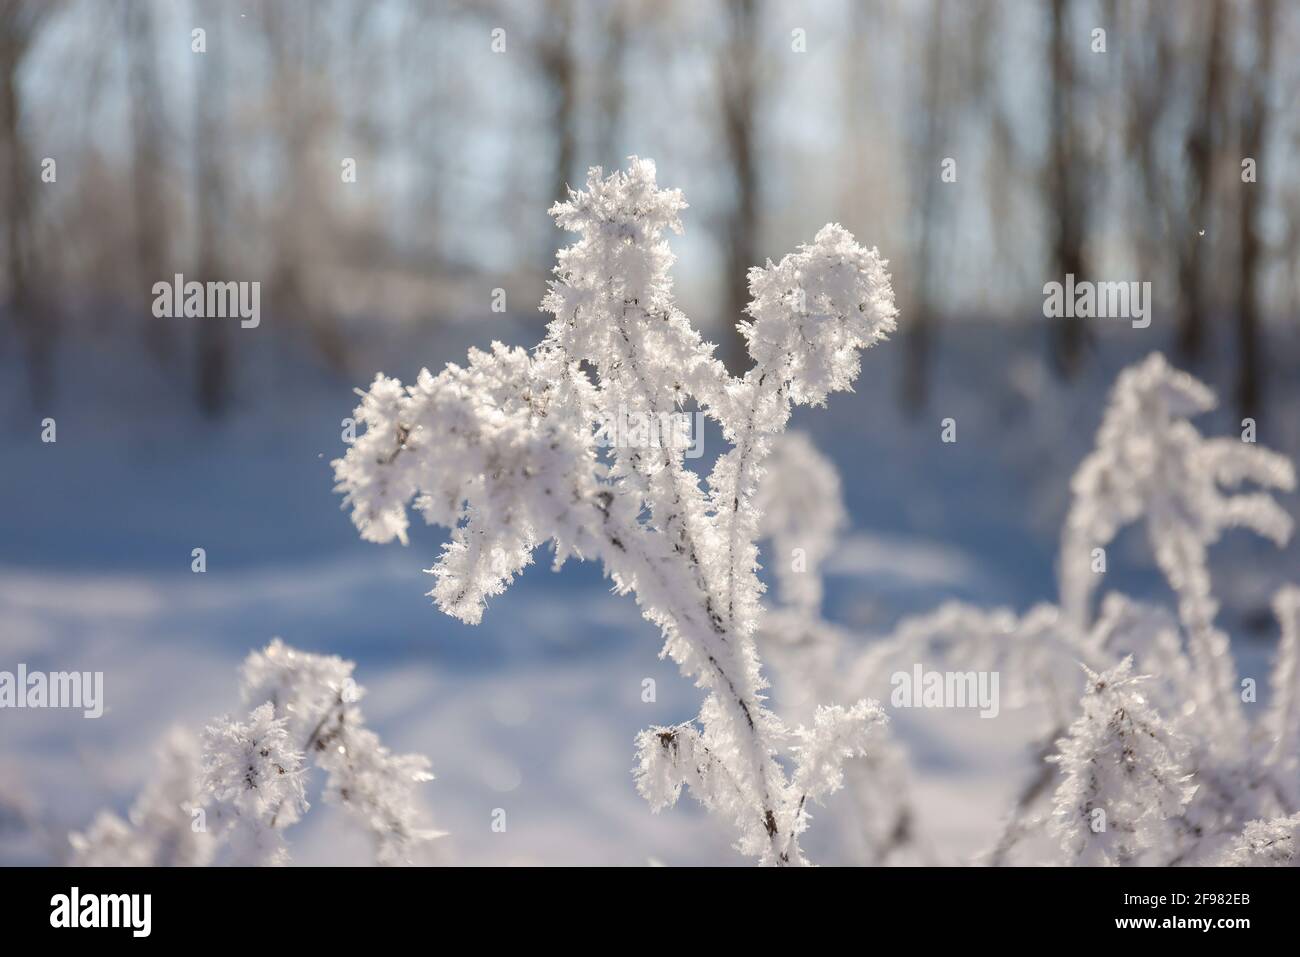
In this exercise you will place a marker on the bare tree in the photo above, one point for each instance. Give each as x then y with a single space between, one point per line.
20 21
213 360
550 40
611 93
557 60
1147 66
1254 117
1067 186
737 75
1203 136
148 159
301 111
932 116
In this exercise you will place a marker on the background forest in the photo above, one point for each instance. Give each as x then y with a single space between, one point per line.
1118 155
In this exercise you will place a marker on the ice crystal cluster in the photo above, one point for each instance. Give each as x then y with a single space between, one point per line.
513 450
230 796
1158 762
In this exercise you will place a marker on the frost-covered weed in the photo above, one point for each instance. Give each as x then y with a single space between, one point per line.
1158 763
1152 465
508 452
1126 774
800 500
252 777
231 795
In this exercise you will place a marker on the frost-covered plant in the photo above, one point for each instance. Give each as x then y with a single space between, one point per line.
111 842
159 830
1033 653
801 505
800 501
1126 775
1170 759
317 698
1273 843
514 449
1151 464
252 779
1281 726
239 788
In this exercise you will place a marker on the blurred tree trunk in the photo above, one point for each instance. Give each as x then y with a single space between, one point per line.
147 161
1254 113
560 69
300 56
1147 67
19 22
738 96
1203 136
611 93
1065 181
212 369
919 325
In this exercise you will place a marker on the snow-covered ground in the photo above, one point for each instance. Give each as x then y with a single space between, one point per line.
533 711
